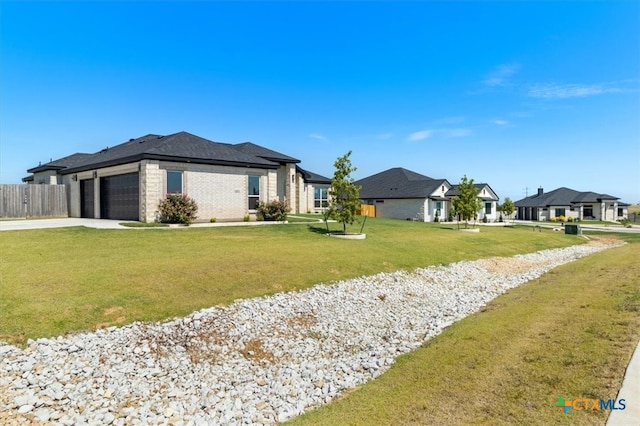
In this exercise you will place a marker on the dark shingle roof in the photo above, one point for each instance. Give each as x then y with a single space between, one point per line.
455 191
562 197
267 154
398 183
311 177
61 163
181 146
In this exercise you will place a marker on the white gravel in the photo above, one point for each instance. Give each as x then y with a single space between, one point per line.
258 361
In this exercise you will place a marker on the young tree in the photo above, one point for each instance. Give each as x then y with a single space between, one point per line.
508 207
467 203
344 195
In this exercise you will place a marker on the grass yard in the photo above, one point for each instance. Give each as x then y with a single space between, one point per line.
54 281
568 334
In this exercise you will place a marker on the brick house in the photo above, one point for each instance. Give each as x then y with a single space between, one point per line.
127 181
567 202
399 193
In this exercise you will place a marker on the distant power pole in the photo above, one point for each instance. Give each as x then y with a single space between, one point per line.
526 191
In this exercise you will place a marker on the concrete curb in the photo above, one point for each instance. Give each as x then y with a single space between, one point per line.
630 392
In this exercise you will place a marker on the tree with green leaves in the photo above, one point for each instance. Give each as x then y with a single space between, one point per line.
467 203
508 207
344 195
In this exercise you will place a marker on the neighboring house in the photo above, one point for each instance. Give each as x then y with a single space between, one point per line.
571 203
314 193
402 194
399 193
489 200
128 181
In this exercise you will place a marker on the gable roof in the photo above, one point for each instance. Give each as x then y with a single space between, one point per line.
398 183
455 191
311 177
563 197
181 147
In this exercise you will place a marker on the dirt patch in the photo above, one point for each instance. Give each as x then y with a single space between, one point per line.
603 240
509 265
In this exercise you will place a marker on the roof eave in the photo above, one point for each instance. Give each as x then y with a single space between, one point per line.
160 157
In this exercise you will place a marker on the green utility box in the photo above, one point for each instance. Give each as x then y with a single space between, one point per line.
572 229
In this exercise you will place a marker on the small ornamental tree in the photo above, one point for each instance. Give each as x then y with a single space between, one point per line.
344 195
178 208
467 203
508 207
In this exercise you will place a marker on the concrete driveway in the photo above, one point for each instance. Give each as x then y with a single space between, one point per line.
17 225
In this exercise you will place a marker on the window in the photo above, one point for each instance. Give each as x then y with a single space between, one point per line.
320 199
487 208
559 212
620 211
587 211
174 182
254 192
438 205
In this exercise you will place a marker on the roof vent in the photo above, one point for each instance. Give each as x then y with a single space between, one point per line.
105 150
131 140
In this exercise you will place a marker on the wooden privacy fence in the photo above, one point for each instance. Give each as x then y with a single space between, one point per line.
33 201
368 210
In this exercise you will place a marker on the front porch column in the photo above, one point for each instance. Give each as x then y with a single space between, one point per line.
603 211
615 210
581 212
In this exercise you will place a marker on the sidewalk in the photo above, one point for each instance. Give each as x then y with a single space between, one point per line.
630 392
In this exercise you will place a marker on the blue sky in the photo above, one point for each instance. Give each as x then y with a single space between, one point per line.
515 94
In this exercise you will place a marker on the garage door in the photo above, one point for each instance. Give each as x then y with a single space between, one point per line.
120 197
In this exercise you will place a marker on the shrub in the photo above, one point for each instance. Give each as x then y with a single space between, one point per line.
561 218
246 218
569 218
273 211
213 220
178 208
484 219
553 219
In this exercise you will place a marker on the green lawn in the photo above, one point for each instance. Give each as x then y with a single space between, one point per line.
58 280
568 334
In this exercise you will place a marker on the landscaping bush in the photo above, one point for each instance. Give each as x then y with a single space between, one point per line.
273 211
553 219
178 208
570 219
561 218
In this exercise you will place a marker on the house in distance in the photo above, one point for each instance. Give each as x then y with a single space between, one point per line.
399 193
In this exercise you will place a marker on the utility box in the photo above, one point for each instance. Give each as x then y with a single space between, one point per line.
572 229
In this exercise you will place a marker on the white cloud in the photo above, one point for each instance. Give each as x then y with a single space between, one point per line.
447 133
421 135
500 122
501 75
318 136
563 91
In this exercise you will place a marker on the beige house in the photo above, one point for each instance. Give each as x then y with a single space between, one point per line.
227 181
571 203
